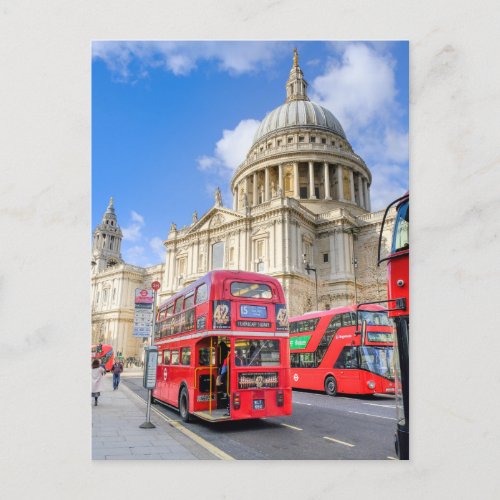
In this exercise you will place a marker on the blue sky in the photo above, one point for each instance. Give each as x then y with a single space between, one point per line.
172 120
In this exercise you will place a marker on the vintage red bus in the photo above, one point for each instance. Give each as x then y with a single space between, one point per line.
104 353
329 354
240 313
398 291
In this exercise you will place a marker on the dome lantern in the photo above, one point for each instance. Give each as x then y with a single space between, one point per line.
296 86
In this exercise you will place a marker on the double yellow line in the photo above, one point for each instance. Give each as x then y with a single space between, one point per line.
221 455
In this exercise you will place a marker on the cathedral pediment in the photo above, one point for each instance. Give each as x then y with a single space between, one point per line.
215 217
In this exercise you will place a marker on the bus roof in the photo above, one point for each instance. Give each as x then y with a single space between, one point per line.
217 277
337 310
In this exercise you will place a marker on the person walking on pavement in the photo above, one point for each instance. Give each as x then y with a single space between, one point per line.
116 369
98 373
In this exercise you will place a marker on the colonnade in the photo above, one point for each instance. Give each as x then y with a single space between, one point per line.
264 193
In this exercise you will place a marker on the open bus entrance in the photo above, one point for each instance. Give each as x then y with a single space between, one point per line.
211 353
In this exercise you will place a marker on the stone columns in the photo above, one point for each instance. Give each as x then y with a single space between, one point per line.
340 184
235 199
327 182
361 192
267 196
312 194
368 201
351 182
255 195
296 180
247 187
280 179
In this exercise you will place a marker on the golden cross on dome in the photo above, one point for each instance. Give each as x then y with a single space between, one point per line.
295 58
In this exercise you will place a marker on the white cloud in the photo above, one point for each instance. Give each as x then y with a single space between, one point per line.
157 246
389 183
132 232
359 88
230 150
133 255
128 60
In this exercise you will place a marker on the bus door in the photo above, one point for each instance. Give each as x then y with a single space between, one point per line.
163 374
348 373
206 371
222 359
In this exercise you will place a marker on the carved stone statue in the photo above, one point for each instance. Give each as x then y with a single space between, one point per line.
218 197
195 216
173 227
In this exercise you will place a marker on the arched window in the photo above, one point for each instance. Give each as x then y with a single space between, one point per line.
218 255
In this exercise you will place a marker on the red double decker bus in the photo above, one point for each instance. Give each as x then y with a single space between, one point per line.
398 291
329 353
233 314
104 353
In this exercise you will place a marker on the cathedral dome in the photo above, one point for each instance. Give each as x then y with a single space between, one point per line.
299 113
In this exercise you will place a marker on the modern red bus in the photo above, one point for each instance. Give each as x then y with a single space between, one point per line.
240 313
104 353
398 291
329 354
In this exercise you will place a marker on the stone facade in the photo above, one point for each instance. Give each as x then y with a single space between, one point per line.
301 212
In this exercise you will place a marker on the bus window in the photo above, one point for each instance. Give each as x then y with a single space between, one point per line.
166 357
201 293
186 356
178 305
204 356
258 352
189 302
401 229
189 320
307 360
251 290
348 319
160 358
170 310
295 360
306 325
377 360
348 358
175 357
374 318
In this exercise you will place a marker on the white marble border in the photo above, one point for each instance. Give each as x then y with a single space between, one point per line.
45 242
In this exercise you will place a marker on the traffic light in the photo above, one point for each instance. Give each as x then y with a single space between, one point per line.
99 348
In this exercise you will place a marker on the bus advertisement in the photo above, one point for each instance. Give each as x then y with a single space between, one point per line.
223 351
328 352
104 353
398 291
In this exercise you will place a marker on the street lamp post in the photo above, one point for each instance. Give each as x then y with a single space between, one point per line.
309 268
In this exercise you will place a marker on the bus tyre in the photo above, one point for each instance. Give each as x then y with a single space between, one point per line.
184 405
331 386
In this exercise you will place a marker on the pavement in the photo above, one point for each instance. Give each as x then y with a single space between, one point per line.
116 434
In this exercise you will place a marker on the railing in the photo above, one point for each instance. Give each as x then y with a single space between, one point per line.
287 148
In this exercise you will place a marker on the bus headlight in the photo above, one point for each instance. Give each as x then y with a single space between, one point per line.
371 384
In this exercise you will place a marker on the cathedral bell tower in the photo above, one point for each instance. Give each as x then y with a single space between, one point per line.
107 241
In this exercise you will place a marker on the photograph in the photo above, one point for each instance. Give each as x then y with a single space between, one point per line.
250 250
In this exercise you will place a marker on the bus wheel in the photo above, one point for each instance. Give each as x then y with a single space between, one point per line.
330 386
184 405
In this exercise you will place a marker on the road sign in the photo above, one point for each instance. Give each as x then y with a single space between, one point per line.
143 296
155 285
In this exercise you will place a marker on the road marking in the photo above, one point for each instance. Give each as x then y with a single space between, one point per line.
392 458
293 427
299 403
177 425
371 415
337 441
383 406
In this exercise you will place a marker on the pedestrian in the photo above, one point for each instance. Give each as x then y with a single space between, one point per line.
98 373
239 360
116 369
